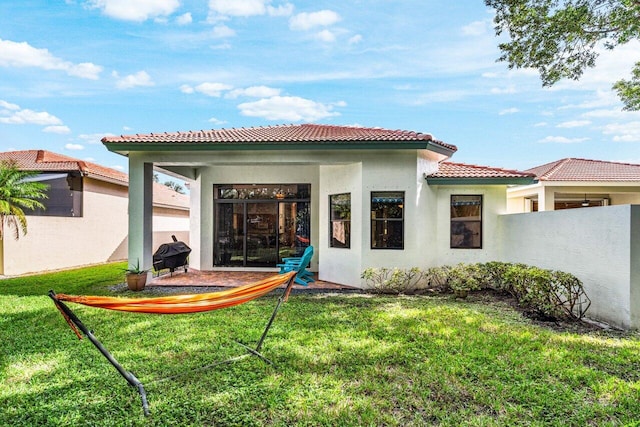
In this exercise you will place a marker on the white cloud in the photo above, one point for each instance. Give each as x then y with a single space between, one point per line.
511 110
184 19
118 167
562 140
224 8
139 10
210 89
476 28
141 78
20 55
355 39
93 138
8 106
187 89
216 121
288 108
623 132
254 92
574 124
74 147
326 36
282 10
306 21
26 116
540 124
59 129
509 90
222 31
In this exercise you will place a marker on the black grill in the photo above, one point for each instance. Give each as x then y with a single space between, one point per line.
171 256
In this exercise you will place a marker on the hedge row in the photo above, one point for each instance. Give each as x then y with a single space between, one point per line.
547 293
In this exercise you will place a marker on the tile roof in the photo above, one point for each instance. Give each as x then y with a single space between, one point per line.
450 170
571 169
46 161
280 135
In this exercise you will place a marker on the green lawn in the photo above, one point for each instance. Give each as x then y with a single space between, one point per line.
339 360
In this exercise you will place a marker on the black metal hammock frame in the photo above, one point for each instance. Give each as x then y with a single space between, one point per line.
175 305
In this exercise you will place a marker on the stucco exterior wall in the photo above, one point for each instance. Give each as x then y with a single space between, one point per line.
494 203
55 242
341 265
599 245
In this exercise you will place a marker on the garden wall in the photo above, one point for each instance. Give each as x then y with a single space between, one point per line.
599 245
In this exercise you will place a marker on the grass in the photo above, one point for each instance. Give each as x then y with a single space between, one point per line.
339 360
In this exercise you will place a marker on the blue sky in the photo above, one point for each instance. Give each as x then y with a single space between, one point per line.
73 71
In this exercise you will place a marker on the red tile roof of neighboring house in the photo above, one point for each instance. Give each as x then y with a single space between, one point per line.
304 134
450 170
46 161
572 169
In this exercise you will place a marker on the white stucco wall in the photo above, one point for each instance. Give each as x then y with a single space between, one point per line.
341 265
54 242
494 203
599 245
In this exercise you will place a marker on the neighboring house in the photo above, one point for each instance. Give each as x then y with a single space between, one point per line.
363 197
574 183
85 220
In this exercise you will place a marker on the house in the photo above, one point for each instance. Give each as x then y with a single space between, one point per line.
363 197
574 183
86 219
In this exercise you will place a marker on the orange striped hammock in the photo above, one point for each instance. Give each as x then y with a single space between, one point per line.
175 304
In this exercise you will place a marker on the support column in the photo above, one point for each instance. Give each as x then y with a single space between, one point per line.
546 199
140 212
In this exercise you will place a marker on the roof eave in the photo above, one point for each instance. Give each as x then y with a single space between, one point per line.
479 181
125 148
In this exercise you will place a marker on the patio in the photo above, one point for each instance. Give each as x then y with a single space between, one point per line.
221 279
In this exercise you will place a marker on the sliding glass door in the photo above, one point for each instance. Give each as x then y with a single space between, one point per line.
257 226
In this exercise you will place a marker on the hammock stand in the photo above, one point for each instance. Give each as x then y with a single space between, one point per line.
181 304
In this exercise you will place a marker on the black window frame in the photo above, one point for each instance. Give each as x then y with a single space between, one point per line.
375 237
466 232
344 221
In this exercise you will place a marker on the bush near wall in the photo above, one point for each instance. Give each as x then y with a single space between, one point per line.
546 293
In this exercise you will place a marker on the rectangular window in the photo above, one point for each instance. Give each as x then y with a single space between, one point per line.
466 222
340 220
387 220
64 195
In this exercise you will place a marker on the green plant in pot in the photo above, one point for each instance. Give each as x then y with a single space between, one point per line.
136 277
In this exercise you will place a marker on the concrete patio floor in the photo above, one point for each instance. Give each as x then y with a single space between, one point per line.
221 279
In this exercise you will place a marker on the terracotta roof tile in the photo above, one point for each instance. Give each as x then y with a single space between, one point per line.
281 134
46 161
572 169
462 170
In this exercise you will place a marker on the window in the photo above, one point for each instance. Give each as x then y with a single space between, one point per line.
387 220
340 220
466 222
64 196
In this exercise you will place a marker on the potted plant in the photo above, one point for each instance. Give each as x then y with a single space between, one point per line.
136 277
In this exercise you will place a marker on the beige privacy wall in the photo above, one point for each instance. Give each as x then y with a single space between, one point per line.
599 245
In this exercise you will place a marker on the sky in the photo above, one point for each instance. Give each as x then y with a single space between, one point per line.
73 71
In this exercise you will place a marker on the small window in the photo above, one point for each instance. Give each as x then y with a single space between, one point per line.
64 196
340 220
387 220
466 222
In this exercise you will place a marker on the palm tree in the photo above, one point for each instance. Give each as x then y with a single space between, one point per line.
18 193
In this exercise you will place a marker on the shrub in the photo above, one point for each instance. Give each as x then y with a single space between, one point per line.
463 278
552 294
546 293
394 281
